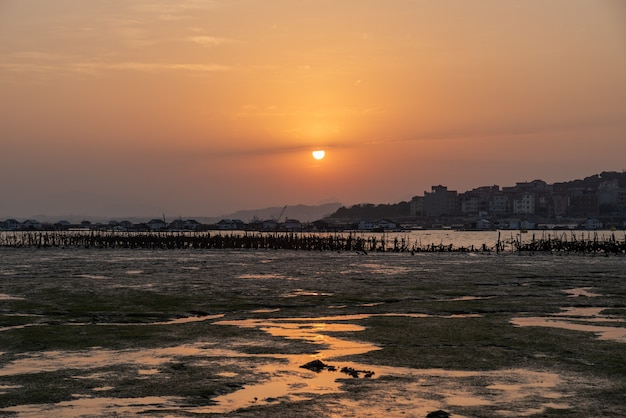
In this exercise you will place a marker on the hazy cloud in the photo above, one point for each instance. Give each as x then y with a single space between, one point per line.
149 67
168 10
98 67
209 40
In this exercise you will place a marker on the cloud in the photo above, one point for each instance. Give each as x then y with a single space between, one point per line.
172 11
209 40
99 67
527 129
153 67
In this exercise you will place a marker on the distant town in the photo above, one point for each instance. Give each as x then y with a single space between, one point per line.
595 202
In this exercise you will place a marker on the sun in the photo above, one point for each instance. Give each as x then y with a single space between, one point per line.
319 154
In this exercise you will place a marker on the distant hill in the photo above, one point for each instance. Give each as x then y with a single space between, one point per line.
303 213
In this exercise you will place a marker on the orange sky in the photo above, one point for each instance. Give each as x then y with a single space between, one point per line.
200 107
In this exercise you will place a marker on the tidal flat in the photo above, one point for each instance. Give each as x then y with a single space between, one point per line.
103 332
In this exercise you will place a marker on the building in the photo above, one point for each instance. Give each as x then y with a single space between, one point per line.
365 225
560 202
292 225
10 225
386 224
440 202
416 206
270 225
227 224
499 204
157 225
31 224
592 224
524 204
483 224
469 203
608 196
584 202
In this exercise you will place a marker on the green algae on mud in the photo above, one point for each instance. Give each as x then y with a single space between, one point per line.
444 326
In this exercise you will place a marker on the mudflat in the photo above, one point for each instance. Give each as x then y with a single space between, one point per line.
97 332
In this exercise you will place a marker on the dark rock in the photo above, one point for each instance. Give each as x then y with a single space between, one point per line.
350 372
438 414
356 373
315 365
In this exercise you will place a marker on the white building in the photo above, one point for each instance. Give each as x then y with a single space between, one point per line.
365 225
292 225
524 204
592 223
386 224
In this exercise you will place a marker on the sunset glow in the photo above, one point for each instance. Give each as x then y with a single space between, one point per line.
205 107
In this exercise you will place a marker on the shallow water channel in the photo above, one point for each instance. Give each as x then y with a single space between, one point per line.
287 381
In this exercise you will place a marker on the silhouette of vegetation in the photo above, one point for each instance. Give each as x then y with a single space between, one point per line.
371 211
592 182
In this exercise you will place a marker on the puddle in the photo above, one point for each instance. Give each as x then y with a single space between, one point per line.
302 292
16 327
419 315
227 374
9 297
92 276
103 389
264 276
466 298
578 319
266 310
369 305
186 320
4 388
385 269
581 291
603 333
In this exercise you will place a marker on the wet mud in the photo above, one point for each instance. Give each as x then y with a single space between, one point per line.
226 334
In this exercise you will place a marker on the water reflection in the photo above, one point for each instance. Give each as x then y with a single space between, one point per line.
582 291
9 297
512 392
578 319
290 382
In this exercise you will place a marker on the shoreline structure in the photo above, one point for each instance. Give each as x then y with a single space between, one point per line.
306 241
